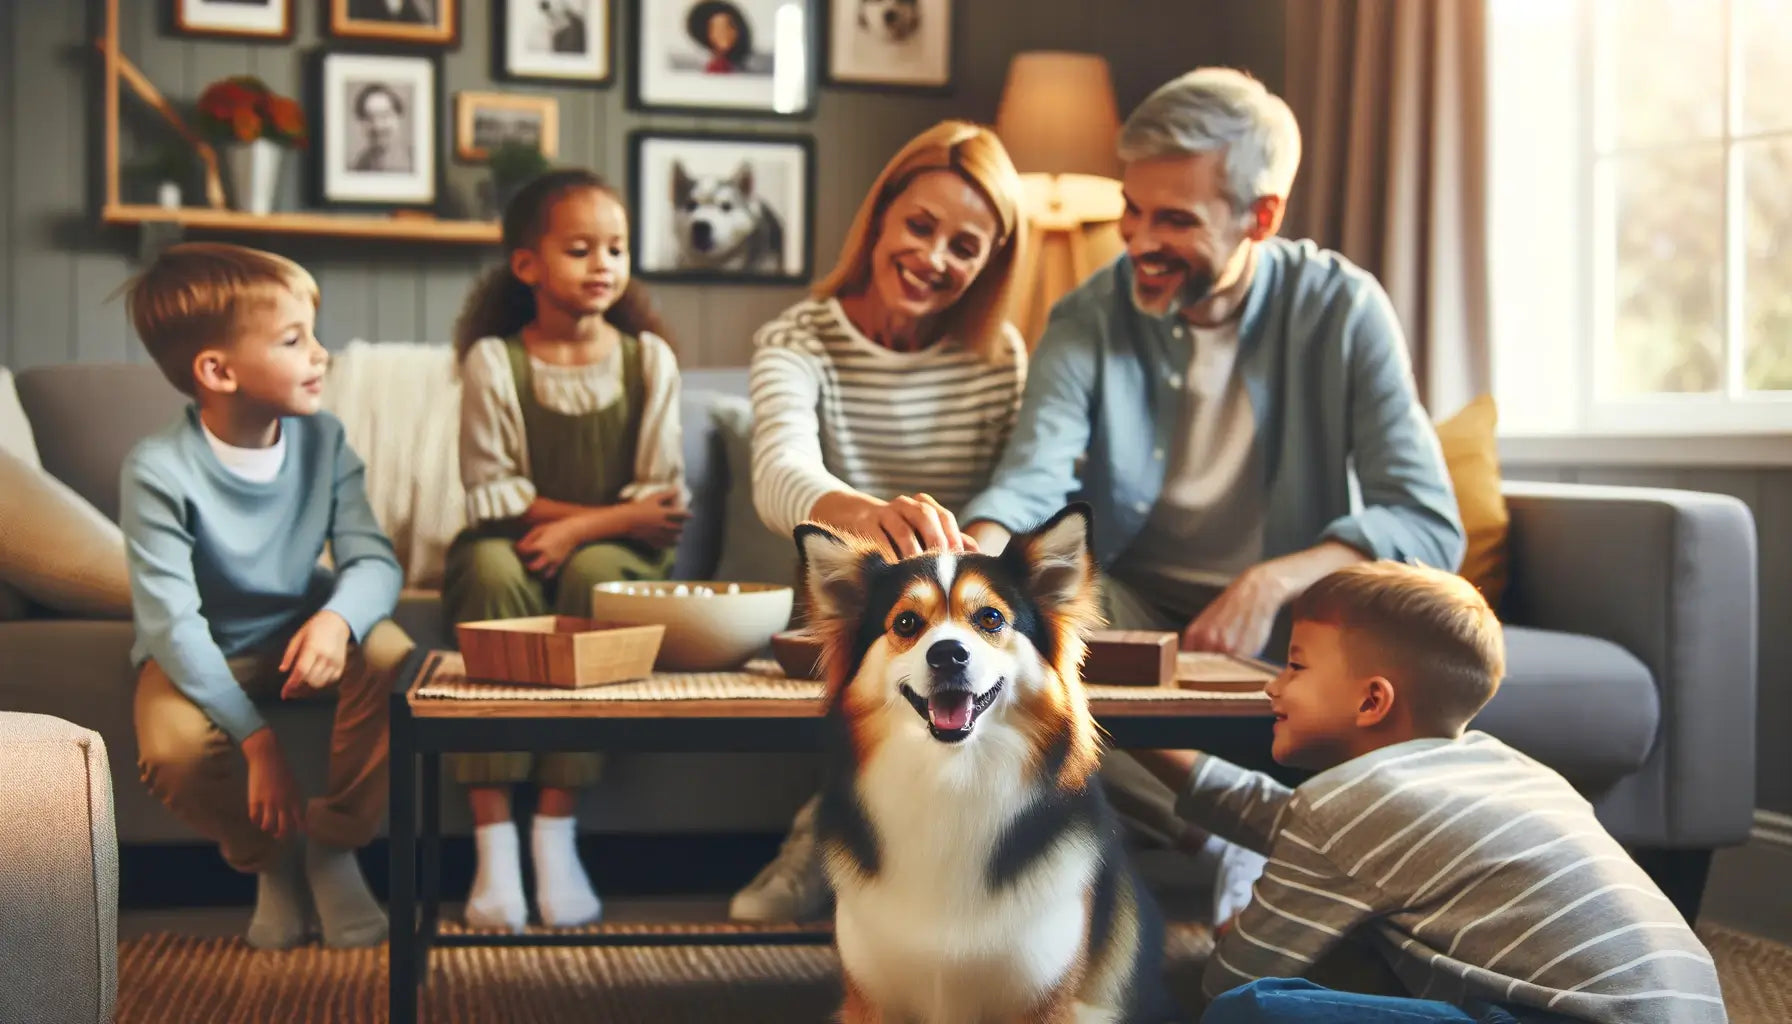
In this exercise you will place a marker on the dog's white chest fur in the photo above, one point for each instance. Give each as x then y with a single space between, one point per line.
926 934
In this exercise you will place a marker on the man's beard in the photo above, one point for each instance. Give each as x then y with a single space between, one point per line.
1197 284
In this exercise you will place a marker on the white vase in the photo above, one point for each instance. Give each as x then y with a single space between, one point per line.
253 170
168 195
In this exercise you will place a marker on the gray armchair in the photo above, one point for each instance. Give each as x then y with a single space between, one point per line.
1632 618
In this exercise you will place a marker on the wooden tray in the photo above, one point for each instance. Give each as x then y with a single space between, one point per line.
1199 670
558 650
1116 657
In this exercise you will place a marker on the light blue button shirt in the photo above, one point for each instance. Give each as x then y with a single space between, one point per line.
1347 452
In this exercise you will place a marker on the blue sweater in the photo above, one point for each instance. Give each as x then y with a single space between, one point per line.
1347 452
222 566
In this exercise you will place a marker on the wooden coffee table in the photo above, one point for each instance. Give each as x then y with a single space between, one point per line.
437 710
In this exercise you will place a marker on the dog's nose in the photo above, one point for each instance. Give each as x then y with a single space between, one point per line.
890 17
947 654
701 234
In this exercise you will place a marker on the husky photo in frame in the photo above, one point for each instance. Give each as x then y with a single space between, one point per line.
722 208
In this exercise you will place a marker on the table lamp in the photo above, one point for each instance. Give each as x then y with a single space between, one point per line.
1059 122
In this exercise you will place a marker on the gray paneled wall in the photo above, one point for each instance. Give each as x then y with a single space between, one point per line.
1768 493
58 267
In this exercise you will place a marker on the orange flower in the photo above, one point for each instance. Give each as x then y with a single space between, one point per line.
246 124
286 115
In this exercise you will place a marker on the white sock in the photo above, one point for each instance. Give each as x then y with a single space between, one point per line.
563 891
497 897
1236 873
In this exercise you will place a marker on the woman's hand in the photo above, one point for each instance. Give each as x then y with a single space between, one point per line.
905 526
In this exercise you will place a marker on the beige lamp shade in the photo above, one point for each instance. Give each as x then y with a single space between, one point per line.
1058 114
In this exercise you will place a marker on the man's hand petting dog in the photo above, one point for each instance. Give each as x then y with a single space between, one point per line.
905 526
315 655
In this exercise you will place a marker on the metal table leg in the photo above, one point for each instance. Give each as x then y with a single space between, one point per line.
403 977
431 836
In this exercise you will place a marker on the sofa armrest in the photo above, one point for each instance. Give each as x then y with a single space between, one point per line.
1671 577
59 893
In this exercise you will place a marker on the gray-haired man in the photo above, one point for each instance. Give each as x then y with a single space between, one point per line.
1238 408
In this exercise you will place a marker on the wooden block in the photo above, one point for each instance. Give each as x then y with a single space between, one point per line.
1130 657
1199 670
558 650
798 654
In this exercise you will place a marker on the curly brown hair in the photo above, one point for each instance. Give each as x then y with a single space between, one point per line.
501 305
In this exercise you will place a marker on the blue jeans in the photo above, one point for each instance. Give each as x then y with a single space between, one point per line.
1299 1001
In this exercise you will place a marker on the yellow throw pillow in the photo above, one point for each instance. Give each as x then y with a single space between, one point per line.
1472 456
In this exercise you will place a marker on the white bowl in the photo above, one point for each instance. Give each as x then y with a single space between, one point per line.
710 626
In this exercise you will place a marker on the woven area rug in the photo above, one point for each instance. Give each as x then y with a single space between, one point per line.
165 978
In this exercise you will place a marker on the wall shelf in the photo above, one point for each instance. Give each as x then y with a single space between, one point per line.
414 228
216 217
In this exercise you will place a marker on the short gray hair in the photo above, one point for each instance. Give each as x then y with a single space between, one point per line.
1220 109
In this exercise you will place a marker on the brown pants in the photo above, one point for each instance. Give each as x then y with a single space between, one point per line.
194 768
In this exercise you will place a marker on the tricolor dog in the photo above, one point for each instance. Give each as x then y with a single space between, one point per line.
977 868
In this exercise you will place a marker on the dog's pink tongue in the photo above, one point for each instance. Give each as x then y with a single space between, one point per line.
950 710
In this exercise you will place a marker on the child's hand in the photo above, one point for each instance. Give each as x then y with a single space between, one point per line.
546 548
315 655
273 795
658 519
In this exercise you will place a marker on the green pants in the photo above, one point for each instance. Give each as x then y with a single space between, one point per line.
483 578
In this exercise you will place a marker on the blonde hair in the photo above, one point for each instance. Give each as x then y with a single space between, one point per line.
1431 632
973 152
194 296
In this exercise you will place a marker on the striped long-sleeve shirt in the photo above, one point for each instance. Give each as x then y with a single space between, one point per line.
1479 873
834 411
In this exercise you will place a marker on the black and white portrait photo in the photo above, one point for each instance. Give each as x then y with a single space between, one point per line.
483 121
243 19
378 128
378 137
721 208
567 40
405 21
738 56
901 43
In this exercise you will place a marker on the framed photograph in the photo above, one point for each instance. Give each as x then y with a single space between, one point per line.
566 42
376 140
904 44
430 22
483 121
724 57
722 208
237 19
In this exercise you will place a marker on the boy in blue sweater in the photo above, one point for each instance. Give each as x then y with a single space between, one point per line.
226 513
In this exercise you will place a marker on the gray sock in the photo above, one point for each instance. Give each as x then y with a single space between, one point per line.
347 910
280 906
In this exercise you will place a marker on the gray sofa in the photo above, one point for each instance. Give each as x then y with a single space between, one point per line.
1631 645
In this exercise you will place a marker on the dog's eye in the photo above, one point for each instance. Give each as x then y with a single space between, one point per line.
989 620
906 625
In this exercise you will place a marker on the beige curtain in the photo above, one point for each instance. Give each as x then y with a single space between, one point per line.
1391 100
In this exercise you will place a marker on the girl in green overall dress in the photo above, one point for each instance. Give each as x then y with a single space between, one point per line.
571 456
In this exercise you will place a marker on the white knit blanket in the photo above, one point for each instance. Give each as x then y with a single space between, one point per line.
400 405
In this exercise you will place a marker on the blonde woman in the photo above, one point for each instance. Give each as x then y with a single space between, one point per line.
881 403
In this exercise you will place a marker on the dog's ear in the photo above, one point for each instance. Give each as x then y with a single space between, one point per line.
743 179
836 573
1058 564
682 183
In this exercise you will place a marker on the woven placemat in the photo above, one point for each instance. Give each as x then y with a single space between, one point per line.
444 678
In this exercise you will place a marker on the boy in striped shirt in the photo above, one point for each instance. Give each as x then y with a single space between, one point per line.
1480 876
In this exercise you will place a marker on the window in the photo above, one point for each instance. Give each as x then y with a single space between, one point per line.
1640 223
